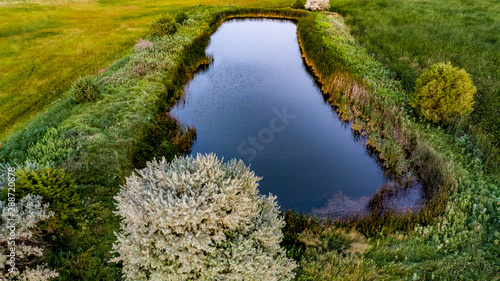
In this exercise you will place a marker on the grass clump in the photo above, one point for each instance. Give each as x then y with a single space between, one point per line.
299 4
443 93
56 188
54 147
164 138
331 265
85 89
181 17
165 25
324 252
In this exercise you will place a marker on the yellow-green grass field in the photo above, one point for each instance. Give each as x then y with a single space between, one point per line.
45 45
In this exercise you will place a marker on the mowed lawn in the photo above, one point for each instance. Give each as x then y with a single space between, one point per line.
45 45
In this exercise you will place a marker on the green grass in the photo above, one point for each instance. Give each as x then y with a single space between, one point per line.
409 36
45 45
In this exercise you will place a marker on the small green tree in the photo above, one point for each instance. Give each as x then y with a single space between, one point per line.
199 219
56 188
84 89
165 25
443 92
299 4
180 17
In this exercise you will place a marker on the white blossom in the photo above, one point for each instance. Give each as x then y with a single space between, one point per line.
25 214
317 5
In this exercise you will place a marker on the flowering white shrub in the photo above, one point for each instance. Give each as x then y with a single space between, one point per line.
317 5
28 211
199 219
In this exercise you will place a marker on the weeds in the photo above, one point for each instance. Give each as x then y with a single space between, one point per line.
54 147
180 17
164 26
164 138
85 89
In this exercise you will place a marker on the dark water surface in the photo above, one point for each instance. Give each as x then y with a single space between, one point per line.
258 103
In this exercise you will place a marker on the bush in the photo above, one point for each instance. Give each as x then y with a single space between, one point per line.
443 92
317 5
84 89
140 69
180 17
164 138
298 4
199 219
28 164
163 26
56 188
53 147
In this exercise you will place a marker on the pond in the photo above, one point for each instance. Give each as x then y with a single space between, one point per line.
257 102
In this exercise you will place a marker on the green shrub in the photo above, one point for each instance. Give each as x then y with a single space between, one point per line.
180 17
444 92
84 89
56 188
299 4
295 224
53 147
164 138
163 26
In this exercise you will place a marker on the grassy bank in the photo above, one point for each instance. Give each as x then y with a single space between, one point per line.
455 235
409 36
46 45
